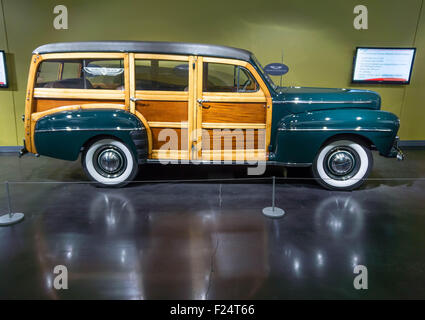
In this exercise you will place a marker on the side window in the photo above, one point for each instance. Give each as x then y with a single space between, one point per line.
227 78
47 71
71 70
162 75
81 74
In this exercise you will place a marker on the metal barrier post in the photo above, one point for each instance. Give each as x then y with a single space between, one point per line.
273 211
10 218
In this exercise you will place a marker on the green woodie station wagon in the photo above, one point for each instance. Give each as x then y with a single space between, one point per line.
122 104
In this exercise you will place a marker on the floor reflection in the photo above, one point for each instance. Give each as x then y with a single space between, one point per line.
339 216
193 241
209 240
120 249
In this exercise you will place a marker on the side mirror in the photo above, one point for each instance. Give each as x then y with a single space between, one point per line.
276 69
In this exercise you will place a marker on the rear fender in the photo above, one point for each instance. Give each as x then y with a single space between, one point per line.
63 134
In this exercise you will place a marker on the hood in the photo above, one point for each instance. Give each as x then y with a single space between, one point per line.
300 99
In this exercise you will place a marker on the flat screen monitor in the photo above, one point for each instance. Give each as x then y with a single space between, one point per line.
383 65
3 70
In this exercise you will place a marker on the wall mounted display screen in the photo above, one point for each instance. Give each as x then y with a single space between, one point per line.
383 65
3 70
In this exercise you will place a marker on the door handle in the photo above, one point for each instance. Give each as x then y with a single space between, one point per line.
140 104
201 103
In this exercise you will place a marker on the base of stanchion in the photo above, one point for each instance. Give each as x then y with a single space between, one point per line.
273 212
7 219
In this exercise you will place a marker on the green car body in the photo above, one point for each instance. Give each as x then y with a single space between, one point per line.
62 135
304 119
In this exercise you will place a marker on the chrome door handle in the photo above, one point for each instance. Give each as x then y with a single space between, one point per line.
201 103
135 99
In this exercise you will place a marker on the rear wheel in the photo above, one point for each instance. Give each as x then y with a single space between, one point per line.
342 165
110 163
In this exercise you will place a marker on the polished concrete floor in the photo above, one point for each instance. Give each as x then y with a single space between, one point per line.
209 240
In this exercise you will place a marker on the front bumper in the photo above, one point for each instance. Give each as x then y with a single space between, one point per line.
395 151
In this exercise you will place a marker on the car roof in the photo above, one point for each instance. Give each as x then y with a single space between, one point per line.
182 48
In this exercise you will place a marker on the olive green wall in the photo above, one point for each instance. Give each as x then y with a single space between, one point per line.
317 38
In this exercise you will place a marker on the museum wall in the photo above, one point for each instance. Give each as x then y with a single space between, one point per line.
317 39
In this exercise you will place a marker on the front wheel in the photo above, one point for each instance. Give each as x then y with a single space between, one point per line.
110 163
342 165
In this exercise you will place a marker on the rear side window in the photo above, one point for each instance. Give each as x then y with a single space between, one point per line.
162 75
227 78
81 74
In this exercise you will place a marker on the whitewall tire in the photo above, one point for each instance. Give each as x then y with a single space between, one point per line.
110 163
342 165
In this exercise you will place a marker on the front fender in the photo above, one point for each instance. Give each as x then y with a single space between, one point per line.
300 136
62 135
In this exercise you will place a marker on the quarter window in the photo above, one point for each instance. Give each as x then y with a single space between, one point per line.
227 78
81 74
162 75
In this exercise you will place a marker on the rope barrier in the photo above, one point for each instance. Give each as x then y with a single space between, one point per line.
273 211
209 180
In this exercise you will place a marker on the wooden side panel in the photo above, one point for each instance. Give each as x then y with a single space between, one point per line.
176 139
234 112
233 139
232 155
166 111
47 104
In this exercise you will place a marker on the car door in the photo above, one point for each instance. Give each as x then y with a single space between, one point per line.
233 112
161 92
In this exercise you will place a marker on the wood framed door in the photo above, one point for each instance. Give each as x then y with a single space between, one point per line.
162 91
233 111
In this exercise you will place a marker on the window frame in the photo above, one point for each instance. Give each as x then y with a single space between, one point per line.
262 95
84 62
83 94
236 69
146 94
159 59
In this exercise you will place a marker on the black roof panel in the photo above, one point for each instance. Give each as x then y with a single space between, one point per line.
146 47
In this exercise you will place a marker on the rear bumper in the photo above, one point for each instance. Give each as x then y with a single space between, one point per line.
395 151
23 151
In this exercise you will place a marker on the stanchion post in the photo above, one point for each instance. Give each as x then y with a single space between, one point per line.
273 211
8 199
10 217
274 192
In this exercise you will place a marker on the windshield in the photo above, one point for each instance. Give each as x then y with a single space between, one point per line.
269 80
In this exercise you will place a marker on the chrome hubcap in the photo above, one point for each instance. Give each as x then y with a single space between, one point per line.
341 162
109 161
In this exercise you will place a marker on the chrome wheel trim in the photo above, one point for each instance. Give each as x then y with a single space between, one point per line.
109 161
341 163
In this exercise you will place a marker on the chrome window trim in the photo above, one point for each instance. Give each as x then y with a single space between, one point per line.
324 101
